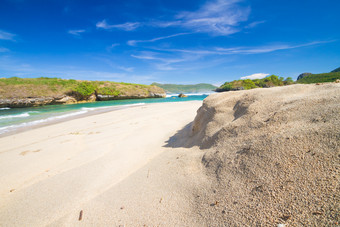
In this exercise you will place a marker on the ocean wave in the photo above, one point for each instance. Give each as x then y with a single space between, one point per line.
5 108
15 116
68 115
50 119
135 104
31 123
26 114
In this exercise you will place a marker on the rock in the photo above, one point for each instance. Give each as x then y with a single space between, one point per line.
66 100
157 95
238 89
182 95
337 81
302 75
92 98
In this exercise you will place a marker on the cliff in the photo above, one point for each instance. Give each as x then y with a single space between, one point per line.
18 92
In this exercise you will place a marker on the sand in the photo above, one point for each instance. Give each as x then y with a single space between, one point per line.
260 157
113 166
274 154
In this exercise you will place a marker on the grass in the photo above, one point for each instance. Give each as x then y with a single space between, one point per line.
15 87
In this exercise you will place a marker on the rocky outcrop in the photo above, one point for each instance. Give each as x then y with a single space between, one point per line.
70 99
182 95
302 75
101 97
36 101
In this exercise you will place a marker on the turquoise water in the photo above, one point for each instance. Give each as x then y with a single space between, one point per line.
16 118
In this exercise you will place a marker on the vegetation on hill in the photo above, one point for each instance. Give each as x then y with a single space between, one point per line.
336 70
15 87
270 81
320 78
179 88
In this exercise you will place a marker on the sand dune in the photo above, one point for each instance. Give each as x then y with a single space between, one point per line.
274 154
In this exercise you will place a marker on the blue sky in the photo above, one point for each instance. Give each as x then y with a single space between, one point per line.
168 41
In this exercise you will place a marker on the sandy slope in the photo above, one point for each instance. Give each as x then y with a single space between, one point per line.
48 175
274 154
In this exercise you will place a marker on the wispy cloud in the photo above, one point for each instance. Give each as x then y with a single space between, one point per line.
219 17
254 24
163 61
112 46
76 32
3 49
134 42
255 76
7 35
126 69
128 26
244 50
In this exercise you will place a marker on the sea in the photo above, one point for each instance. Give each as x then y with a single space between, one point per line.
18 119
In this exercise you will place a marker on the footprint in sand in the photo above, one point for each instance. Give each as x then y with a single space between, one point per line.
26 152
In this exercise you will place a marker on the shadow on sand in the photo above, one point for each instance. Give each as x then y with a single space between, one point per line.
182 138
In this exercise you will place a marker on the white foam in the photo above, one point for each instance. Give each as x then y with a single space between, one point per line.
82 111
15 116
68 115
25 124
5 108
136 104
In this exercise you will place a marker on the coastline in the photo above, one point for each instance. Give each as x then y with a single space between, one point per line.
41 116
65 119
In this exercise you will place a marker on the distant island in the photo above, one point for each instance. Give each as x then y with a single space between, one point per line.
180 88
26 92
273 81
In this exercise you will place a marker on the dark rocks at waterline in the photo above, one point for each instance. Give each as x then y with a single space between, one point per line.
69 99
182 95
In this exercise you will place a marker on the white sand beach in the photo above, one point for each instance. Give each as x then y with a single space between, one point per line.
114 166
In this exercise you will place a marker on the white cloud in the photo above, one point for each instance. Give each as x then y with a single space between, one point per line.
128 26
254 24
134 42
255 76
76 32
6 35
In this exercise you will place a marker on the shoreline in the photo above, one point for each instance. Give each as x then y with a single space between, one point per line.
50 173
97 111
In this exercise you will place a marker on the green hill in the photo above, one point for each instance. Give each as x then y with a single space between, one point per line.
23 92
270 81
336 70
180 88
320 78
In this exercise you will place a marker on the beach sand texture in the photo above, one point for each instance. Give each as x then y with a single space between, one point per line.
257 157
48 175
274 154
